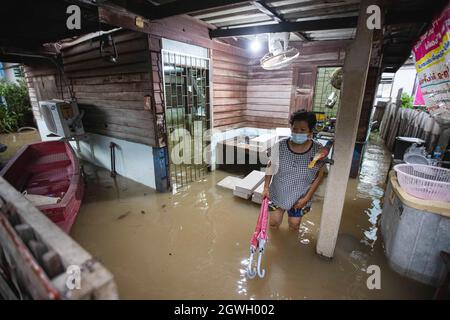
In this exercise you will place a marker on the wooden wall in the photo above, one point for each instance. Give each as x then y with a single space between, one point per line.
229 67
312 56
244 94
269 96
113 95
273 95
230 80
43 84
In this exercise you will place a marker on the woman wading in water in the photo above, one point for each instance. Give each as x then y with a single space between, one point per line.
289 183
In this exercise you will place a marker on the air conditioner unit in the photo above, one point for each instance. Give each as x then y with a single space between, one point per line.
62 117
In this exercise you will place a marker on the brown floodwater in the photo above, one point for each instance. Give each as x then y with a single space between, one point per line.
195 244
14 141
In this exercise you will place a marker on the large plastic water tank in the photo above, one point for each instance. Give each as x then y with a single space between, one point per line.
414 232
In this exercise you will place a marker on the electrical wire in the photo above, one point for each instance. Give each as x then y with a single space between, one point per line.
63 78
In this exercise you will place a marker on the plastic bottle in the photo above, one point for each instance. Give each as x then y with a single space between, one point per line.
437 153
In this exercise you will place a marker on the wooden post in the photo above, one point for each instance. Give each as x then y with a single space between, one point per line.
356 65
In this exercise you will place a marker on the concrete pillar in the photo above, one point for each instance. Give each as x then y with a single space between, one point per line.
356 65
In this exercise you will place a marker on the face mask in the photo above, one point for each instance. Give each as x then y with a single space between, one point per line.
299 138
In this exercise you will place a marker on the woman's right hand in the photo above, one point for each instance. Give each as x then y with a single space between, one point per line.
265 193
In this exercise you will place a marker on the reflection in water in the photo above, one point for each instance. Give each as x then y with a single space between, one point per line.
195 244
242 282
14 141
304 232
371 184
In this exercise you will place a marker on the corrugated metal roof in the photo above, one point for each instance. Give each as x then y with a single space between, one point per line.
407 20
248 14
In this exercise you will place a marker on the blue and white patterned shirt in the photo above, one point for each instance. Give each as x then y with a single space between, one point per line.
291 178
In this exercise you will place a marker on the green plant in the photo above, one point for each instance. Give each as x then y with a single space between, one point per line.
407 101
9 120
14 105
15 95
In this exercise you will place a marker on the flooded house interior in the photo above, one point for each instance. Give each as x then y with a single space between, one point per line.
144 163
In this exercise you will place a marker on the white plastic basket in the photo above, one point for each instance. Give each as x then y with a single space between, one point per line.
424 182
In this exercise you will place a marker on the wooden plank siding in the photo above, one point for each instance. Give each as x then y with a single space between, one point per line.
273 95
43 83
229 68
243 94
230 81
268 96
113 95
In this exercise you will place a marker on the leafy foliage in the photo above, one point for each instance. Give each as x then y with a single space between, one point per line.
14 105
9 120
407 101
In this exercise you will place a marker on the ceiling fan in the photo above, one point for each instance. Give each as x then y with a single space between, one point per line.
280 54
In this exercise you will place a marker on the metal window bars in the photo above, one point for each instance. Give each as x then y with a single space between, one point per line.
322 90
187 102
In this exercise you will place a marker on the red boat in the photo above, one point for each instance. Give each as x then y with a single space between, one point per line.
48 174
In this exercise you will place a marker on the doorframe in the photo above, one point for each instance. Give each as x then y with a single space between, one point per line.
313 67
295 85
210 123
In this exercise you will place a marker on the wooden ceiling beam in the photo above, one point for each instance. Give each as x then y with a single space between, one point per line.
152 12
313 25
274 15
348 8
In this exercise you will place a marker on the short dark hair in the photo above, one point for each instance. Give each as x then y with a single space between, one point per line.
303 115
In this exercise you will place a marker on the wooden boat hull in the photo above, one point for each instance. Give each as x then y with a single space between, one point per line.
49 169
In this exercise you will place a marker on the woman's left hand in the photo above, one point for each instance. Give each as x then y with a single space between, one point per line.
301 203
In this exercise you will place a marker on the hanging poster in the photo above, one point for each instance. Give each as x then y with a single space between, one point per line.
432 55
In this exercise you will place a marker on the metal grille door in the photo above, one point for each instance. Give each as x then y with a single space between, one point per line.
187 101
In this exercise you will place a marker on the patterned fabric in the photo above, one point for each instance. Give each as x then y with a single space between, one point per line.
291 177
